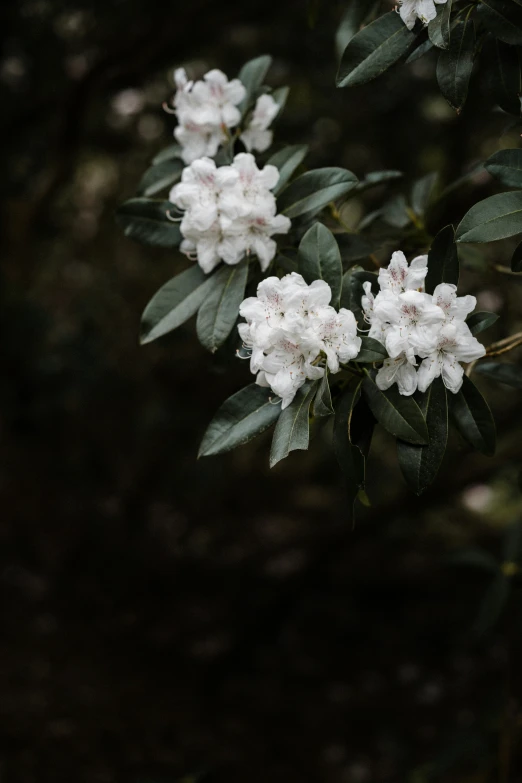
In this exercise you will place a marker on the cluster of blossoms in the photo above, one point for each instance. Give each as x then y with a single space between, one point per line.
291 331
411 10
412 324
207 109
229 211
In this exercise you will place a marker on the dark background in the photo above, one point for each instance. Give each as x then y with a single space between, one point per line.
162 616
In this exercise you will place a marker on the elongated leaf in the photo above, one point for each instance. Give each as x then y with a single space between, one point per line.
503 18
352 292
323 399
293 427
280 96
422 192
218 315
287 160
420 464
160 177
172 152
503 74
313 190
349 456
375 178
439 28
320 259
506 166
146 220
422 49
497 217
371 351
400 415
492 605
246 414
176 302
357 12
455 64
252 75
479 322
472 417
510 374
443 260
374 49
516 261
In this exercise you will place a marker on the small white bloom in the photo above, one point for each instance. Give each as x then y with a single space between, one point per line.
411 10
399 277
455 344
399 371
412 320
256 135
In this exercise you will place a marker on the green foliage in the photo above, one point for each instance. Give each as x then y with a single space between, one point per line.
147 220
293 427
371 351
349 449
510 374
480 321
320 259
455 64
473 419
252 74
160 176
443 260
312 191
323 405
218 316
497 217
400 415
287 161
506 166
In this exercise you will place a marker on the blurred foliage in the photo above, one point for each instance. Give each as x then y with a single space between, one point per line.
163 615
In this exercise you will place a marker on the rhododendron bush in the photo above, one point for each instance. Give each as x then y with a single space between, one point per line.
340 329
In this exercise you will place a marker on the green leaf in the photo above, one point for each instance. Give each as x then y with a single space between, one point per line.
175 302
503 18
146 220
506 166
375 178
479 322
439 28
218 316
472 417
492 605
320 259
422 49
504 74
293 427
171 152
287 160
496 217
516 261
371 351
323 399
400 415
280 96
420 464
374 49
455 64
246 414
160 177
357 12
510 374
395 212
422 192
352 292
252 75
313 190
349 455
443 260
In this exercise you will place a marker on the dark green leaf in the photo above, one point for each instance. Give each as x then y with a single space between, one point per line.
479 322
293 427
510 374
352 291
313 190
472 417
455 64
375 178
422 192
252 75
420 464
176 302
492 605
497 217
320 259
395 212
439 28
246 414
516 261
504 74
349 455
506 166
218 315
371 351
169 153
280 96
160 177
287 160
374 49
398 414
146 220
357 12
443 260
423 48
503 18
323 399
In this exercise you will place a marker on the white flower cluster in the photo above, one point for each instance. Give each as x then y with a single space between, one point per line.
411 10
208 108
229 211
411 324
291 330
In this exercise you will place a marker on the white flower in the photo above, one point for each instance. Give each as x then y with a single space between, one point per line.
399 277
292 332
409 318
256 135
411 10
455 344
205 109
229 212
399 371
